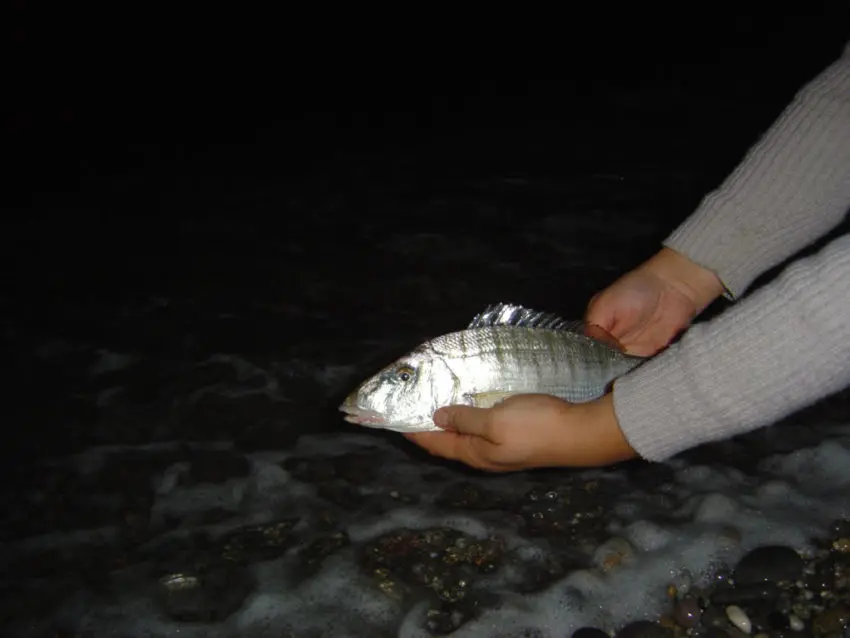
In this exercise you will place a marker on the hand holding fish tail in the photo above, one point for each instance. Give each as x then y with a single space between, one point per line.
528 431
646 308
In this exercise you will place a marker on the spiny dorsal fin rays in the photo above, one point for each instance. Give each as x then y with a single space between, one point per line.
504 314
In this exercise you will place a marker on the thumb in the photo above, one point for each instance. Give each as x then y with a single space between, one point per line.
464 419
599 313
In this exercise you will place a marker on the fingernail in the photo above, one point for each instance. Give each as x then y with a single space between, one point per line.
441 419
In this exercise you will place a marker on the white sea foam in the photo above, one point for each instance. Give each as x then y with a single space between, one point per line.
703 518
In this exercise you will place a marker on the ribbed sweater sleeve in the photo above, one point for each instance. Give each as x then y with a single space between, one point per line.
792 187
779 349
787 344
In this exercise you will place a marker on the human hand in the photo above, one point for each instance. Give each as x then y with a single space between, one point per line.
646 308
528 431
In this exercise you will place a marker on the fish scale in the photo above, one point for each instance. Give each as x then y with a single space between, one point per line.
505 350
558 362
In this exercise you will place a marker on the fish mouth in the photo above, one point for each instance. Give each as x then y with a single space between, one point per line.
362 416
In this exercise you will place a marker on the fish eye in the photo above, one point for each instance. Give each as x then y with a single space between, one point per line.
404 373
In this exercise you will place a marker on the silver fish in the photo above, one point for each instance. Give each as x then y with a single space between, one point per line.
505 350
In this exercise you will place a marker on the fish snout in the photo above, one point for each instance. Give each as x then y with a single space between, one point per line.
358 415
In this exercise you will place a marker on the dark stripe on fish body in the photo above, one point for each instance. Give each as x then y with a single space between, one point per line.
538 368
501 347
557 347
552 345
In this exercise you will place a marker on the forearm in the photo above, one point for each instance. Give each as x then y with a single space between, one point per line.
778 350
598 440
791 188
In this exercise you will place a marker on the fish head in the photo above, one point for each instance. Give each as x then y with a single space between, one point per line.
404 395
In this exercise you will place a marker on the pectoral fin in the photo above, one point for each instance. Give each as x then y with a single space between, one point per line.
487 399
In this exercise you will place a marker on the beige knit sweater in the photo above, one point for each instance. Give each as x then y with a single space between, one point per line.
788 343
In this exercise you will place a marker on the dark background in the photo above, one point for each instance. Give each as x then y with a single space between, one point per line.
333 191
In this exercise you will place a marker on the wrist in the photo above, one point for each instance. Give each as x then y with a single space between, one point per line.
603 441
700 285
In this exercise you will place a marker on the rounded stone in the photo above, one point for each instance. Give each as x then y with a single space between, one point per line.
644 629
746 594
823 576
713 617
831 621
613 553
840 527
842 545
207 596
795 623
771 563
686 612
738 617
777 620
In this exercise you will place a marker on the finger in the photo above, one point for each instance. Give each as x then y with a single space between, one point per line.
449 445
603 313
455 447
597 314
600 334
464 419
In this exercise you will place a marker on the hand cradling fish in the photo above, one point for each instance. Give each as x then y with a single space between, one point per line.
505 350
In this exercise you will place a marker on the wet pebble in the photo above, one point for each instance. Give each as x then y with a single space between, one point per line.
565 514
840 528
738 617
778 621
714 617
795 623
205 596
686 612
468 496
322 547
745 594
442 560
644 629
444 620
831 622
722 578
822 577
773 563
613 553
258 542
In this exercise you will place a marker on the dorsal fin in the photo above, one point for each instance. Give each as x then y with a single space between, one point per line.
504 314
